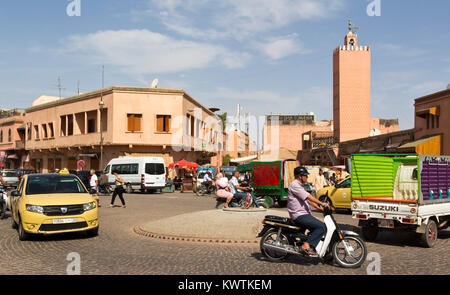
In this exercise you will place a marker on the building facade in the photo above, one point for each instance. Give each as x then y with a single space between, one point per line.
432 117
120 121
12 141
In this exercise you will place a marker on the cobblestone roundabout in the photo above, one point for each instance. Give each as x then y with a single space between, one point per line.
119 250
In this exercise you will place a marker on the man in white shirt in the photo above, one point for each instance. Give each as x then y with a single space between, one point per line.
235 188
93 182
320 181
207 180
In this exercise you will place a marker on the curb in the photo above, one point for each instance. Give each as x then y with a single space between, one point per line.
138 230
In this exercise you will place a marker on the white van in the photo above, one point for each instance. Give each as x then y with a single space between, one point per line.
138 173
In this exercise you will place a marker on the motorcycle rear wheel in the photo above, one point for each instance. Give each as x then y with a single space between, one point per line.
358 252
270 237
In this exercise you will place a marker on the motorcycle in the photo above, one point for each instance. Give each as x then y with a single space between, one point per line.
281 237
3 203
105 190
202 190
249 201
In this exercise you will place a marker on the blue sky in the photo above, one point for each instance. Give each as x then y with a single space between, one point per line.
269 56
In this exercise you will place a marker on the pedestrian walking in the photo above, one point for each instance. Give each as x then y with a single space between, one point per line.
118 190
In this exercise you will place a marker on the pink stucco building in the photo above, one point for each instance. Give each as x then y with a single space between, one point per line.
125 121
12 141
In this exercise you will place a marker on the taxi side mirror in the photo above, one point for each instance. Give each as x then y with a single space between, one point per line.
15 194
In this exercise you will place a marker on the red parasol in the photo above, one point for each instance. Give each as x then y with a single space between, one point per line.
184 164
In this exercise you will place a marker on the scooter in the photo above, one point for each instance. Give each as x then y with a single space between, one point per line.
105 189
281 237
245 203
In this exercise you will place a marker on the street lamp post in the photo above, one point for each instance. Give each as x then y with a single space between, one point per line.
101 105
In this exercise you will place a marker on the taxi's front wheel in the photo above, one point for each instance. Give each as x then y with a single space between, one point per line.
93 232
23 236
13 222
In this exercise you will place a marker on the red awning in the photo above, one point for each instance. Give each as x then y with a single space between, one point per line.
184 164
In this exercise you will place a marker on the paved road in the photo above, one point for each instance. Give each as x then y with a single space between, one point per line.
118 250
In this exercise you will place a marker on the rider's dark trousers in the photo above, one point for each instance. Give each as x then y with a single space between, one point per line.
316 227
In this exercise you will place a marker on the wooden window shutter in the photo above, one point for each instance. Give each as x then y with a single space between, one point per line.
167 124
130 122
160 123
137 124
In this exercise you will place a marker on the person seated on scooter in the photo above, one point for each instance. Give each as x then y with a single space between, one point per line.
235 188
207 180
299 201
223 190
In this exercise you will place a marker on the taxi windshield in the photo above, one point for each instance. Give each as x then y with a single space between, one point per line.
54 184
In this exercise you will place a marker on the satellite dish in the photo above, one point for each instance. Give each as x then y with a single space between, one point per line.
155 83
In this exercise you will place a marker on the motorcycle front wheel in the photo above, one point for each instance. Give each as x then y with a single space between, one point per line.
352 257
200 190
270 237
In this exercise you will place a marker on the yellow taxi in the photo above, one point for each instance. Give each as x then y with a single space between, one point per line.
53 204
338 195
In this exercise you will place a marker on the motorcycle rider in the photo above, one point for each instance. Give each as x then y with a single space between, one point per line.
235 188
299 202
207 180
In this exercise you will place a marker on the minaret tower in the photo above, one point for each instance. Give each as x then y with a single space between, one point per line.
351 88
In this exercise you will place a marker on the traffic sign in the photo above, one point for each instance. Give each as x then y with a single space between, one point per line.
81 163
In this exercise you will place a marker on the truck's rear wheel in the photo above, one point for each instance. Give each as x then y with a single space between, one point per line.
429 238
369 232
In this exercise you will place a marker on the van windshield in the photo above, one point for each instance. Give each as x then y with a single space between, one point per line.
154 169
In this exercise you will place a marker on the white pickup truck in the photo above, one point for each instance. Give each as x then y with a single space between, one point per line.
401 193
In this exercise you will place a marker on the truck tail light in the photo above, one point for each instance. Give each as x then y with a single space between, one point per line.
408 220
361 216
142 178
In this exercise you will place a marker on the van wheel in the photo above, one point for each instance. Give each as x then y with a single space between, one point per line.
429 238
128 189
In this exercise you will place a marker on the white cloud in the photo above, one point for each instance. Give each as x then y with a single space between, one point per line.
236 19
143 52
280 47
398 50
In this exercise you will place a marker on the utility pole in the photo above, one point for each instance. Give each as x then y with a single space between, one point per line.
101 104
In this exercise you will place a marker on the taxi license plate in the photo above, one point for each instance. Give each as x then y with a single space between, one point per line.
385 223
65 220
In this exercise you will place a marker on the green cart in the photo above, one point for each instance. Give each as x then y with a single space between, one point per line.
271 179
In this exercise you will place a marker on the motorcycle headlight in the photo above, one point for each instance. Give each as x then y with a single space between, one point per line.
89 206
35 209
